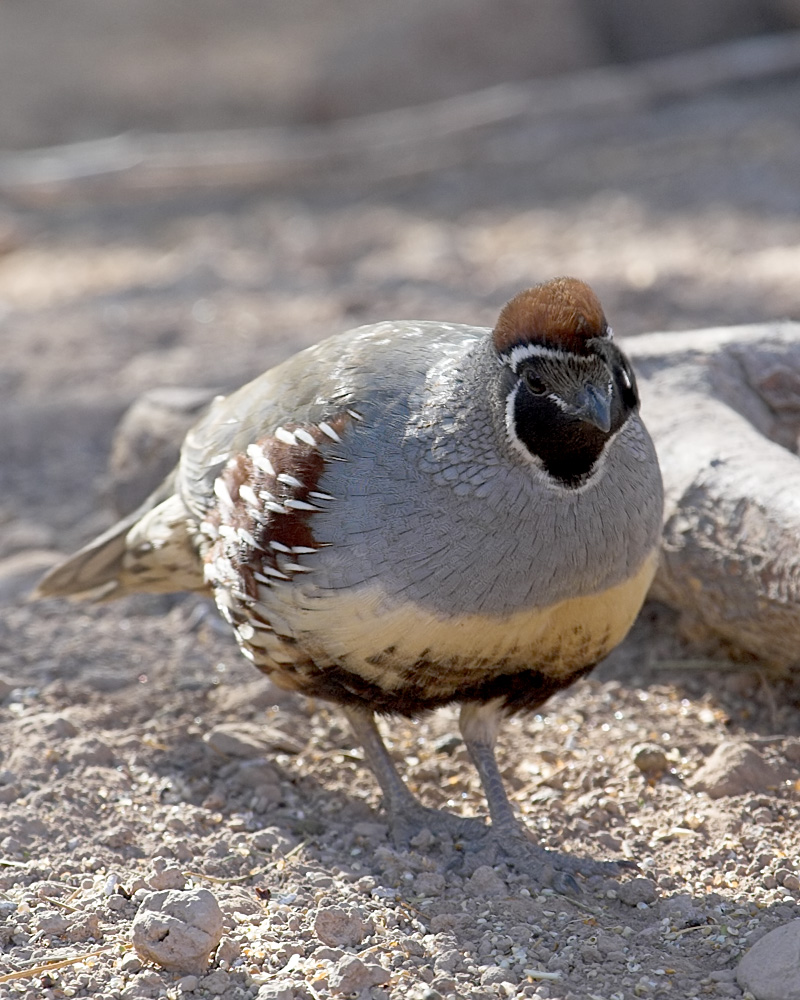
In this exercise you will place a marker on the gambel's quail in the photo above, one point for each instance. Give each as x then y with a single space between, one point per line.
413 514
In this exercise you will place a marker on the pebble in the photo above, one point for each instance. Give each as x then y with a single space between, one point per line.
130 963
247 740
178 930
279 989
217 983
637 890
650 759
769 970
733 768
351 975
340 928
485 882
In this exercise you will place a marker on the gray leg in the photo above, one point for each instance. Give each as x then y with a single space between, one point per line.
480 724
407 816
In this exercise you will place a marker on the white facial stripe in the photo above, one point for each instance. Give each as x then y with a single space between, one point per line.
522 351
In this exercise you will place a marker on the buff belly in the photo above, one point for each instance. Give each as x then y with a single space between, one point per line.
357 646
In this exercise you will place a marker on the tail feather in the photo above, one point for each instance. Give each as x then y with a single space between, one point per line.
147 551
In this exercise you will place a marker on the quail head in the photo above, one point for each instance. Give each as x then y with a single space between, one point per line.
413 514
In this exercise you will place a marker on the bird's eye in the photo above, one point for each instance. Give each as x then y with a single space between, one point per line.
534 383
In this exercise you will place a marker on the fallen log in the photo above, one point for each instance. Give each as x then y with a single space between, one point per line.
723 406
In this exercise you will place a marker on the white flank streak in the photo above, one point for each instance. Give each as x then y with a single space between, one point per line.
246 631
241 596
222 492
297 568
229 532
248 653
302 550
248 494
260 460
329 432
300 505
286 436
261 578
276 573
276 508
223 456
266 496
284 477
209 529
248 539
279 547
319 496
354 415
305 437
255 623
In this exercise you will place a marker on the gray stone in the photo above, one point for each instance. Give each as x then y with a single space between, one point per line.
242 739
485 881
770 970
340 928
178 930
351 975
733 769
650 759
638 890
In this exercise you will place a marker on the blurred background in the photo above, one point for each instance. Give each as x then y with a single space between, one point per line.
191 190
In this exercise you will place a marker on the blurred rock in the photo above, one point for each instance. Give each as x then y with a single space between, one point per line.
147 441
340 928
733 769
20 573
769 970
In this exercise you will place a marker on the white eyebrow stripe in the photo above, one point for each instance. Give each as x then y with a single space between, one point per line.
524 351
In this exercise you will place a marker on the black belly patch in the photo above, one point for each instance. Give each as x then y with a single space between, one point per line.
522 690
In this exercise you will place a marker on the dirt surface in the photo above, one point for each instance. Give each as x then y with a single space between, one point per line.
134 732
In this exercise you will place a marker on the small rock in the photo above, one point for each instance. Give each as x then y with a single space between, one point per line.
130 963
791 750
278 989
637 890
53 725
429 884
170 877
20 572
493 975
351 975
147 440
485 881
650 759
340 928
84 927
449 961
228 951
51 922
733 769
769 970
90 751
217 983
249 740
188 984
178 930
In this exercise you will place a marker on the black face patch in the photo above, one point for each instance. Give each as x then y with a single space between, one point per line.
544 420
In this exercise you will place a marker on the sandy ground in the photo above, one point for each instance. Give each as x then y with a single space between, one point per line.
133 732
